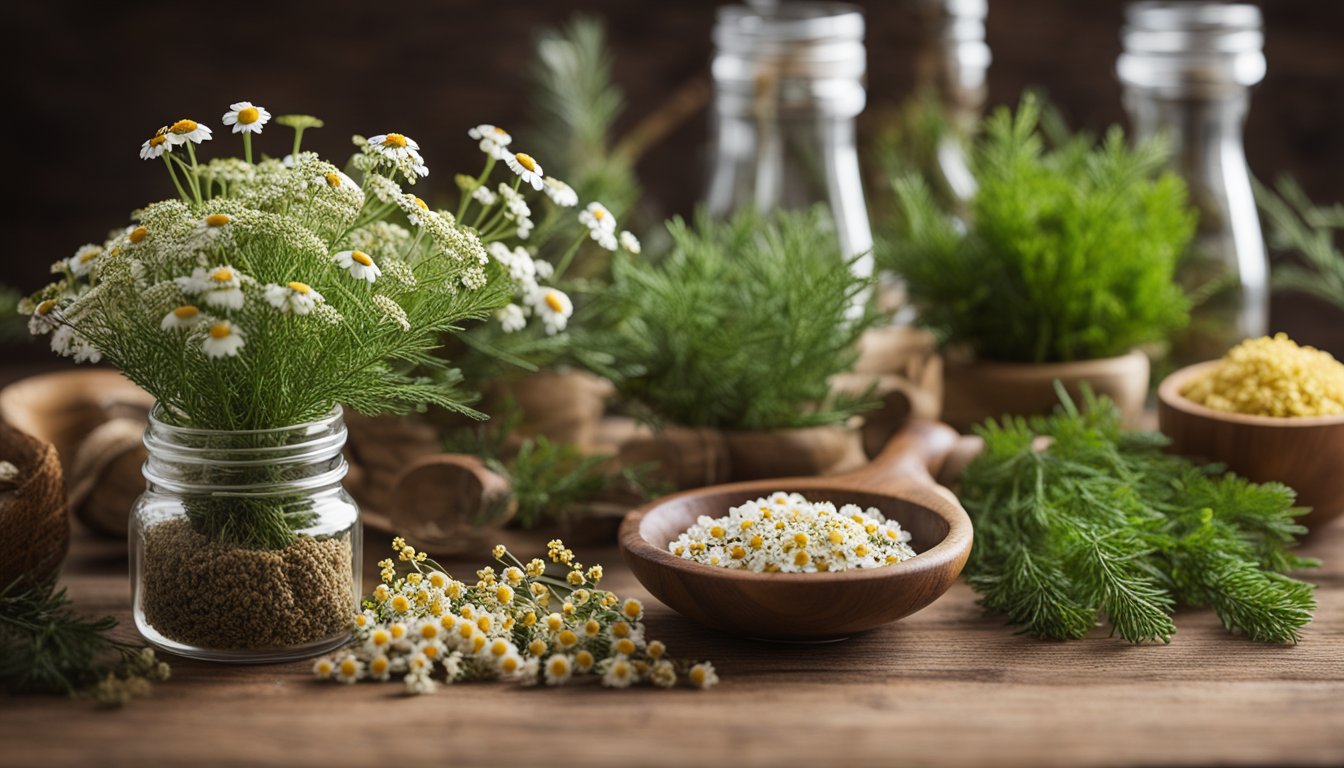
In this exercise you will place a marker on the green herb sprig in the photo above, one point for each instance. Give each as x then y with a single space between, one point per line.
1066 254
1308 231
741 327
1102 522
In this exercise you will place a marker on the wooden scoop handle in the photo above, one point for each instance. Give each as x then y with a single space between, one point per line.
916 453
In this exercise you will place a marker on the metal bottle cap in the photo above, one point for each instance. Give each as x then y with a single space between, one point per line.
1192 48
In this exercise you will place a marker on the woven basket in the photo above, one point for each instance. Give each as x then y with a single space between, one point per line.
34 529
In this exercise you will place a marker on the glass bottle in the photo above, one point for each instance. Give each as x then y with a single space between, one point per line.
244 546
952 63
788 83
1187 69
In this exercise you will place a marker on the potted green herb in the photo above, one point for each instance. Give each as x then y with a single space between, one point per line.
1062 270
739 331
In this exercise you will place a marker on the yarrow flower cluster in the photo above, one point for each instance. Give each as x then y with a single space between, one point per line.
526 623
786 533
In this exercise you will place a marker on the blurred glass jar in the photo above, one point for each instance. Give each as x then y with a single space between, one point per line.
1187 69
788 83
952 64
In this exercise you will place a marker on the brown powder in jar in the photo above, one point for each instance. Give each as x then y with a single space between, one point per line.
211 595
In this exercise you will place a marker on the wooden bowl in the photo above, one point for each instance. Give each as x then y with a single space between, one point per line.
1306 454
813 606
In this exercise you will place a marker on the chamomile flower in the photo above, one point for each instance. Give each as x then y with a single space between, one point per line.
527 168
324 668
629 242
380 667
184 131
395 146
221 286
703 675
247 117
44 318
359 264
156 145
559 668
296 297
663 674
185 316
560 193
420 684
211 228
224 339
620 673
632 609
510 665
554 308
597 217
83 260
349 669
492 139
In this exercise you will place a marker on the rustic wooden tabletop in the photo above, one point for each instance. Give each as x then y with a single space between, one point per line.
946 686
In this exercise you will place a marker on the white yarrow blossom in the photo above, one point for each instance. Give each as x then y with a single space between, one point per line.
247 117
492 139
224 339
511 318
296 297
184 131
560 193
527 168
359 264
484 196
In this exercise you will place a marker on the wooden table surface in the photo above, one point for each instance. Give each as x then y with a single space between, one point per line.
946 686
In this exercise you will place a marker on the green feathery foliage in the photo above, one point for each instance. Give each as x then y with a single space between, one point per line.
1298 227
1067 254
47 648
742 326
577 104
1103 522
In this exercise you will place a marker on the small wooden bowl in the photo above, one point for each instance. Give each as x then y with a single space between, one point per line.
813 606
1306 454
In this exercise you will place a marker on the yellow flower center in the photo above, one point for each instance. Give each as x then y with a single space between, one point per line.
45 307
217 220
361 257
559 666
567 637
394 140
379 665
349 667
801 558
800 539
500 131
333 179
302 288
526 161
248 115
756 541
139 234
158 140
222 275
717 532
836 537
221 331
553 301
89 256
421 204
183 126
186 312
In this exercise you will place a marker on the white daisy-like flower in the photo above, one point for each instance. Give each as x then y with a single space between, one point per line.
420 684
597 218
212 227
629 242
559 668
703 675
359 264
184 131
560 193
324 668
620 673
554 308
349 669
223 340
221 285
44 318
492 139
663 674
82 261
185 316
527 168
511 318
296 297
484 196
605 239
380 668
156 145
247 117
395 147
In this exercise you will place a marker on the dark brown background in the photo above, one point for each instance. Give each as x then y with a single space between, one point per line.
87 82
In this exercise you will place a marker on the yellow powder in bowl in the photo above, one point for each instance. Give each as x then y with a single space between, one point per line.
1272 377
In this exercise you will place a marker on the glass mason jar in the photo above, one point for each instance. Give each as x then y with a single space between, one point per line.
788 83
1187 69
952 62
244 546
